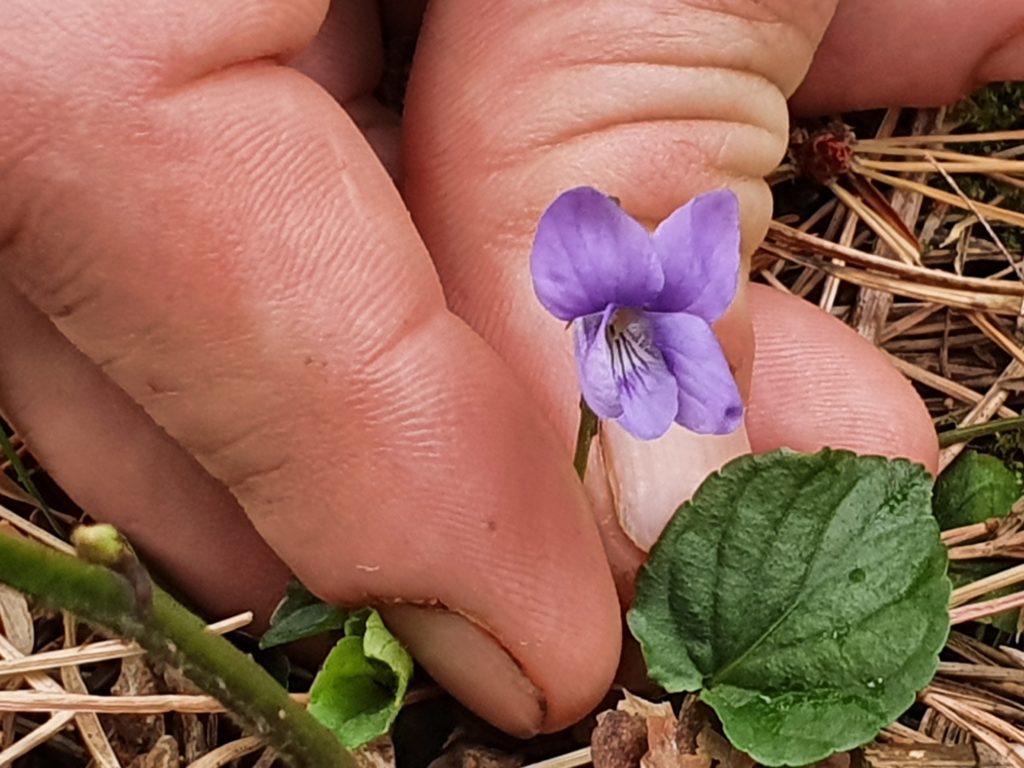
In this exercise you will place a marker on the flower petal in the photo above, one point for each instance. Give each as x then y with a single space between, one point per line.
709 401
699 250
589 253
649 401
594 363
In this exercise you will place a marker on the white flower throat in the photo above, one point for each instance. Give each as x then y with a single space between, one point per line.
631 344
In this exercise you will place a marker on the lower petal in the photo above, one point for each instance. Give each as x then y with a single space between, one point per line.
649 401
594 364
708 400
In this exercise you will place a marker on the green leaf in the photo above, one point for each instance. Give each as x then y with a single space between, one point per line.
300 615
805 596
975 488
360 688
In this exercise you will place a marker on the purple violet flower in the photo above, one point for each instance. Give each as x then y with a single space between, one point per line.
641 306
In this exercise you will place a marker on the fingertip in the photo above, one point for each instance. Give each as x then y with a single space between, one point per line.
497 681
817 383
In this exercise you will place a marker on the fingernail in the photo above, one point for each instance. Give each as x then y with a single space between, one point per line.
650 479
1004 62
470 664
624 558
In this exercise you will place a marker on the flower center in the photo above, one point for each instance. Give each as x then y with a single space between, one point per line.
631 344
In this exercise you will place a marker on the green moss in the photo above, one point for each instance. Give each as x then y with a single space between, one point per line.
998 107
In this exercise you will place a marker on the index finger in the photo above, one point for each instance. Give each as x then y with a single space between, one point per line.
212 230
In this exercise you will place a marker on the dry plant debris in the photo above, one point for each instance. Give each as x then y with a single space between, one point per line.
914 240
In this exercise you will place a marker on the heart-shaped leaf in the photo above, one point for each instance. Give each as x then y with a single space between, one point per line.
973 489
805 596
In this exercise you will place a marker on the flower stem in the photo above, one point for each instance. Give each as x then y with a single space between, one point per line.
584 437
965 434
173 635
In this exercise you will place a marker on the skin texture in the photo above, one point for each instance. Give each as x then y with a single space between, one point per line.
866 60
212 284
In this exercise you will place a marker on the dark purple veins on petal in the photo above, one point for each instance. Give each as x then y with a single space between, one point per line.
642 305
623 374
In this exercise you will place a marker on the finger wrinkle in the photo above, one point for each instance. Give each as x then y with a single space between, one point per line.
679 34
678 131
658 93
251 479
122 47
61 288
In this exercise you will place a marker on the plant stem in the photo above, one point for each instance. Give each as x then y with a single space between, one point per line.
584 437
966 434
173 635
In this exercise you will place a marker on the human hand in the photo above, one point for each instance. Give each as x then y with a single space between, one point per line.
209 283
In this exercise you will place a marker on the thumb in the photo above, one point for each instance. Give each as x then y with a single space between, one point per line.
652 102
912 53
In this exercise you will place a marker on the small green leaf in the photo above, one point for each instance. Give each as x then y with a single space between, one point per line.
360 688
975 488
806 596
300 615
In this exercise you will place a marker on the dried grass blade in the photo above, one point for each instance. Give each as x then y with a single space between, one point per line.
981 610
16 619
88 724
19 523
992 672
939 383
1015 655
53 701
886 211
897 733
974 165
105 650
229 752
568 760
986 408
947 708
12 490
879 145
993 212
991 330
37 738
1000 580
968 533
973 207
780 234
864 153
954 298
895 239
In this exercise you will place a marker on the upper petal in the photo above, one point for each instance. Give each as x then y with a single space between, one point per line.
699 250
594 364
589 253
709 401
